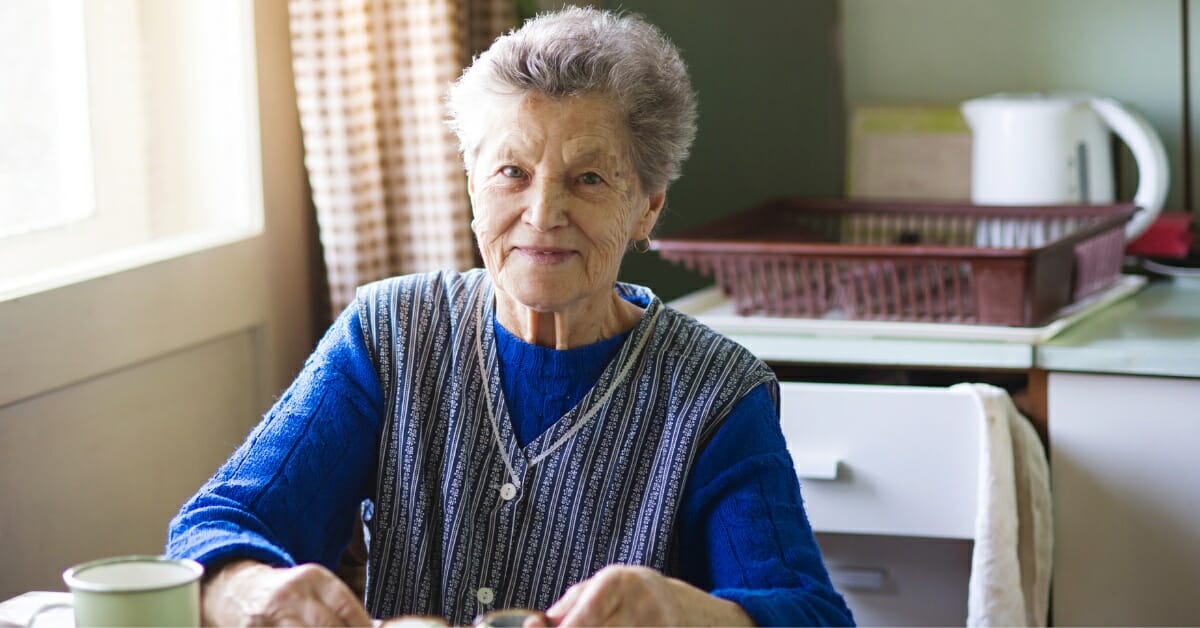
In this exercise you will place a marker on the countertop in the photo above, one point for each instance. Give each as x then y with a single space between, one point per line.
1156 331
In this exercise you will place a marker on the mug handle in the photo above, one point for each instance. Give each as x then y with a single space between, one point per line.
1151 158
49 607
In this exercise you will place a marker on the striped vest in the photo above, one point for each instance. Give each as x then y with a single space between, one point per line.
464 519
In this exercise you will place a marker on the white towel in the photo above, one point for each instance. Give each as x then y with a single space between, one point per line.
1009 583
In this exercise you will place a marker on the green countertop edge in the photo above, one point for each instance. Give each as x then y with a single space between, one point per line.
1155 332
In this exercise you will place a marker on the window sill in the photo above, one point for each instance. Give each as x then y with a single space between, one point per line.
72 327
126 259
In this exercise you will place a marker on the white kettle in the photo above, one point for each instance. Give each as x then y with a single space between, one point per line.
1038 148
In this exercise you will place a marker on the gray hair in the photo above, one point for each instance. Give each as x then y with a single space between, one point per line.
576 51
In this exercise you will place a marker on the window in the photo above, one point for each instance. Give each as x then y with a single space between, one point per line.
44 118
128 133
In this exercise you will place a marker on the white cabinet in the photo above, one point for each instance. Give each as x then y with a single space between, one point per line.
894 460
888 476
1125 467
900 581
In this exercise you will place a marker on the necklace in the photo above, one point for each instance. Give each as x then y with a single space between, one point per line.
589 413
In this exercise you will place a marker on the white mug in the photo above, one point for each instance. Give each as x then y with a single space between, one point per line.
133 591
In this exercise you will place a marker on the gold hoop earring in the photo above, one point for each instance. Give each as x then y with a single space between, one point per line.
641 246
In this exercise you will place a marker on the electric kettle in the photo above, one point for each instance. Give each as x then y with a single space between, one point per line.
1044 149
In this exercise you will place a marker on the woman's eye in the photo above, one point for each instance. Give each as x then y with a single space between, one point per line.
591 178
512 172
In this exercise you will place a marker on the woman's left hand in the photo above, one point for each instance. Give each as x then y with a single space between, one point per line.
626 595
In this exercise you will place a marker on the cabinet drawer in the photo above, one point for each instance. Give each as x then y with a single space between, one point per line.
894 460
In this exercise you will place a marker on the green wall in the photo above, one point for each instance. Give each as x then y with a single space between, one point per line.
769 115
777 79
942 52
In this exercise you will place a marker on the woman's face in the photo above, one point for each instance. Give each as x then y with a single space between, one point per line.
556 200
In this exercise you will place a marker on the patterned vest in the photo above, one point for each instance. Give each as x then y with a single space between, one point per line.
464 519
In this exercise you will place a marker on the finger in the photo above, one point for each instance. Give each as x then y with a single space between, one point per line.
536 620
309 612
292 621
350 612
560 608
596 605
338 600
355 615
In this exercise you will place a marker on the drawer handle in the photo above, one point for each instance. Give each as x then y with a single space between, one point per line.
858 578
817 466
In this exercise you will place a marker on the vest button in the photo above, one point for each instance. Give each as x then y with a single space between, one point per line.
508 491
485 595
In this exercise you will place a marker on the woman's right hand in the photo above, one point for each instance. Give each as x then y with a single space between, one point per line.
249 593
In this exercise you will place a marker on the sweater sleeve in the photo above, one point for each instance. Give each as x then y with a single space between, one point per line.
291 492
743 506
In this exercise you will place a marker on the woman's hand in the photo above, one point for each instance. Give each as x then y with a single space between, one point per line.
625 595
248 593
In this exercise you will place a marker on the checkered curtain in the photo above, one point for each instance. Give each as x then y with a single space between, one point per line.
386 179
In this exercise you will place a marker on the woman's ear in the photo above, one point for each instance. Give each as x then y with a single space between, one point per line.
650 216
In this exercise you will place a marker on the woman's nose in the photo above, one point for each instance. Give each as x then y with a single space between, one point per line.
547 207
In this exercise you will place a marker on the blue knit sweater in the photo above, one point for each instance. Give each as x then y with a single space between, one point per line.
743 533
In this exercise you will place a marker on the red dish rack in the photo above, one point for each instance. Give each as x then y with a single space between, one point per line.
907 261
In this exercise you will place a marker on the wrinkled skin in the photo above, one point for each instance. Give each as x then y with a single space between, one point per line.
557 203
625 595
247 593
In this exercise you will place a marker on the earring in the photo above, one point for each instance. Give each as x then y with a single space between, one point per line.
641 246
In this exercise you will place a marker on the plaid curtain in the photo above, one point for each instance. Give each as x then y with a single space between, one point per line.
387 182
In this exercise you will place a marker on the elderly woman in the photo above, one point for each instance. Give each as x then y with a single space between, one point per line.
534 434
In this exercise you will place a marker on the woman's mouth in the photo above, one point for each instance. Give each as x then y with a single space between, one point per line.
545 254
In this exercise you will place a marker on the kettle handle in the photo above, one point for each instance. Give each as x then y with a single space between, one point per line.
1151 157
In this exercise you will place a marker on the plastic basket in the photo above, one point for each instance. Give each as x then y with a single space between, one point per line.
907 261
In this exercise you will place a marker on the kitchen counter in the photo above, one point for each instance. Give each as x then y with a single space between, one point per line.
1122 391
1082 339
1155 332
